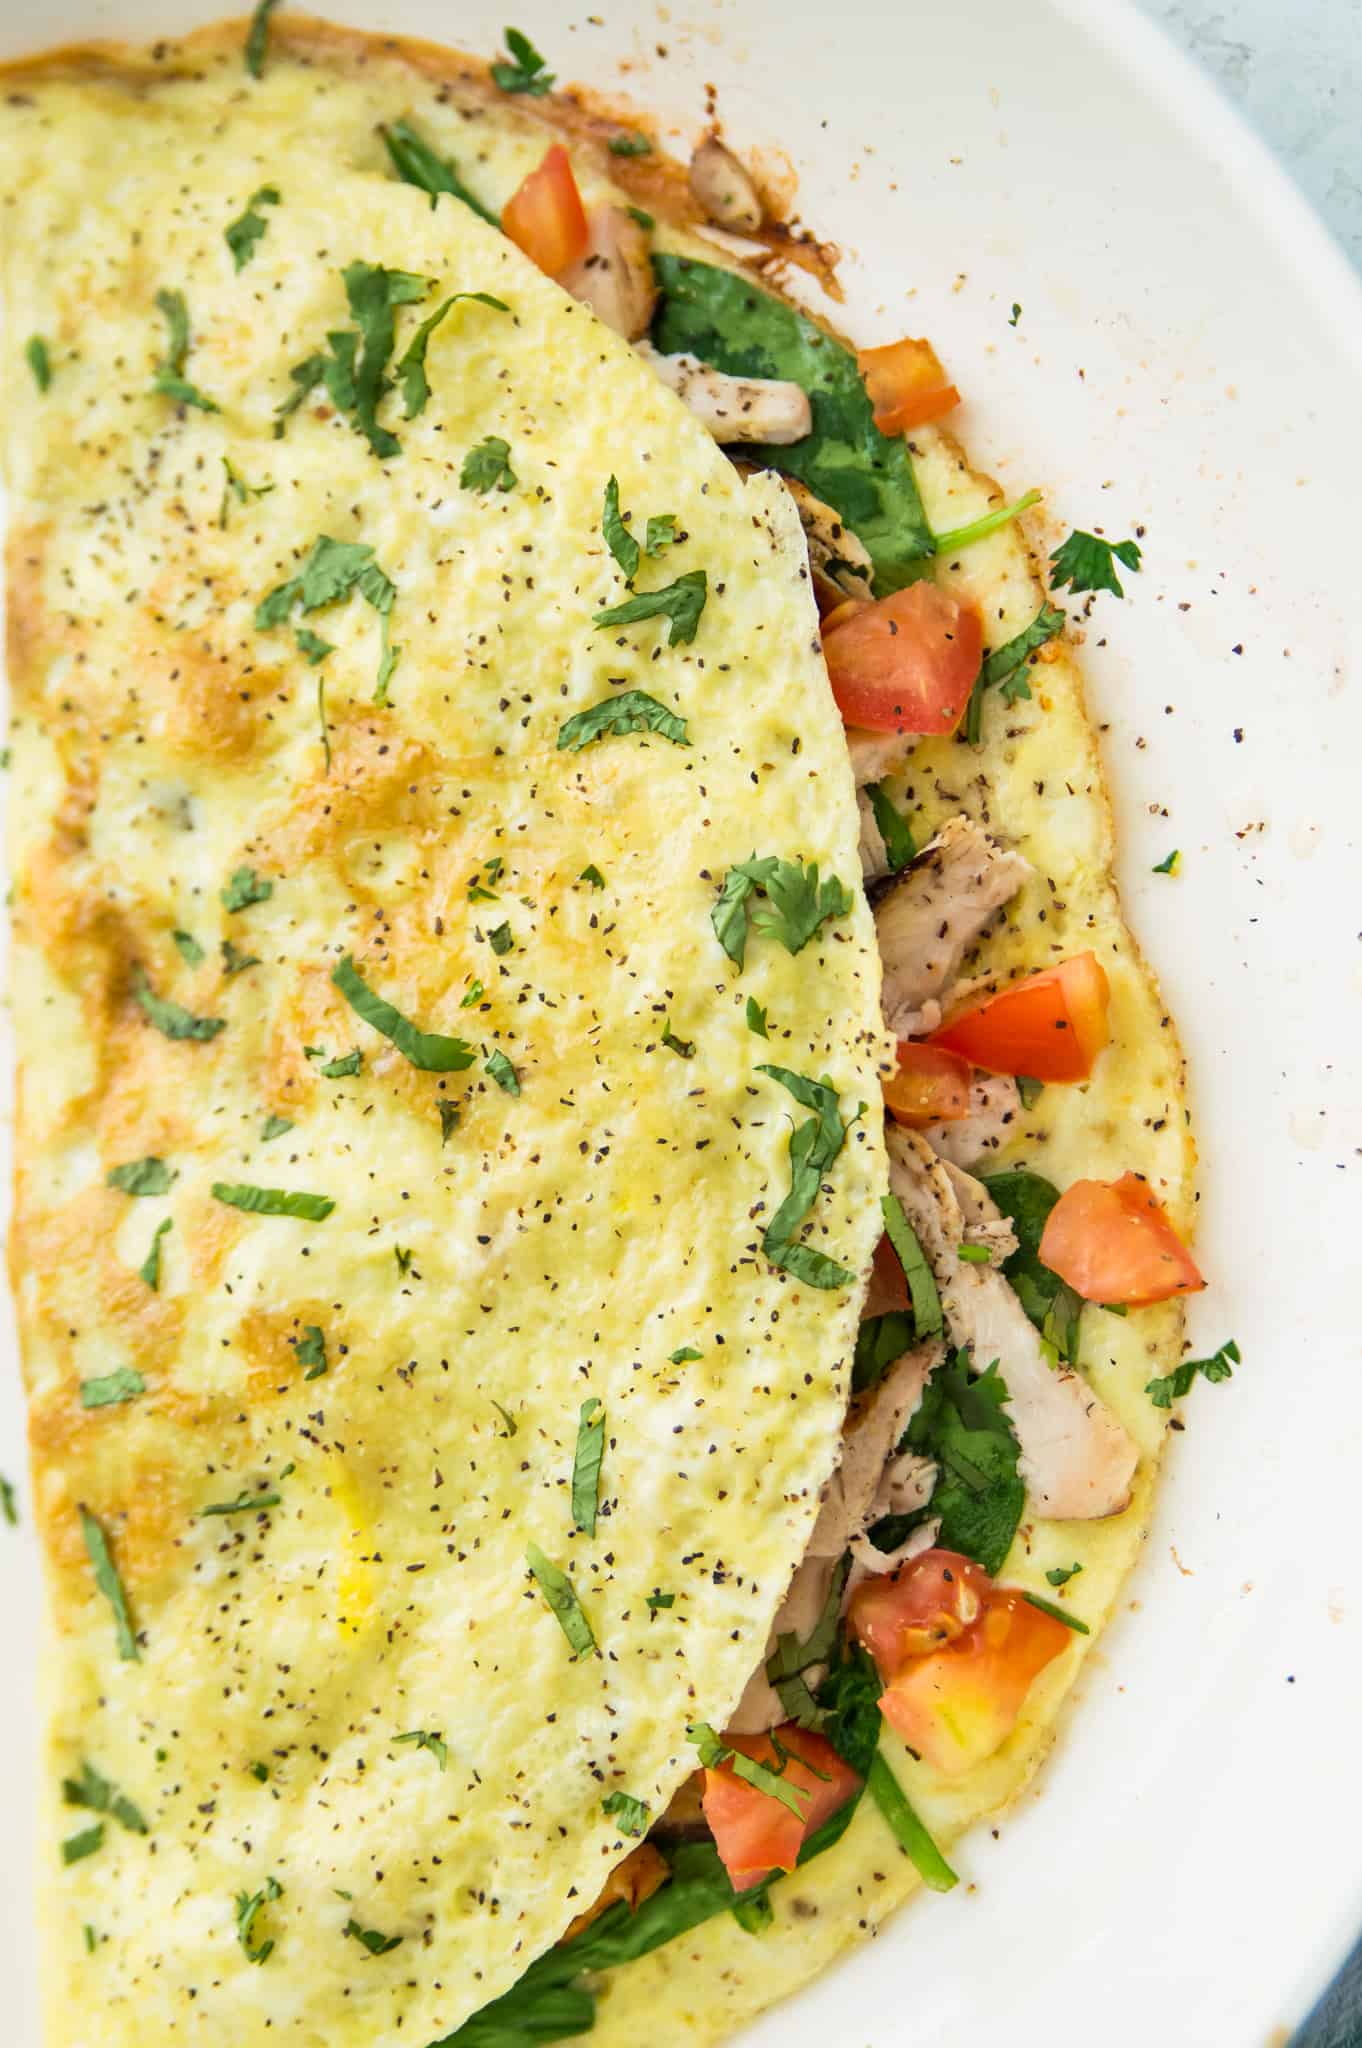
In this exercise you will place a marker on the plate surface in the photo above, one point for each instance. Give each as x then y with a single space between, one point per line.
1187 363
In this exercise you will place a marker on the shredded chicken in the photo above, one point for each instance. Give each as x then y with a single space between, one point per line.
868 1562
1076 1459
834 550
984 1222
935 911
767 409
875 1422
993 1120
877 754
723 189
615 274
643 1871
874 856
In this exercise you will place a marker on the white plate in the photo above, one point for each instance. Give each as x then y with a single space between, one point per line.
1187 362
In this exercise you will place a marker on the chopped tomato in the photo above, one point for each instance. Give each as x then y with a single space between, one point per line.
1111 1241
906 663
544 215
641 1873
956 1706
923 1605
1051 1025
906 385
752 1831
931 1085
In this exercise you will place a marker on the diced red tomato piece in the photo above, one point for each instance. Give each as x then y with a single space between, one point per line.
1112 1241
906 663
752 1831
544 216
955 1707
930 1085
919 1608
1050 1025
906 385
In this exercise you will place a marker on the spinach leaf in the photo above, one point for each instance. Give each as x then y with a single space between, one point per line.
1027 1199
979 1495
879 1341
846 461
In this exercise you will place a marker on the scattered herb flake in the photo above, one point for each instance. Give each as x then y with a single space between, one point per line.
257 39
344 1066
681 603
525 72
1062 1574
501 939
1172 1386
1015 315
586 1465
684 1356
629 145
1168 865
243 233
900 847
629 711
1080 1628
512 1426
659 1602
170 379
39 361
273 1201
813 1148
77 1847
234 961
142 1177
797 903
618 538
94 1792
1005 668
428 1050
109 1584
908 1831
1085 562
244 1504
417 164
560 1594
502 1072
188 948
249 1904
236 486
761 1777
9 1502
412 366
684 1048
245 888
487 466
109 1389
474 995
644 218
593 875
312 646
371 1940
756 1018
631 1815
449 1120
311 1349
427 1738
168 1017
989 522
150 1268
275 1126
1029 1091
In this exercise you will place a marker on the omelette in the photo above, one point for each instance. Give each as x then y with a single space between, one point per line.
601 1189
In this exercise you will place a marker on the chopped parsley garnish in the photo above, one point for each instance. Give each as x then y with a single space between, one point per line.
899 844
417 164
1015 315
487 466
629 145
312 646
150 1268
311 1350
756 1018
1005 668
375 293
593 875
412 366
794 1798
273 1201
681 603
630 711
370 1939
428 1050
245 888
1080 1628
684 1355
449 1119
979 529
260 1772
236 486
243 233
109 1584
502 1072
39 361
331 571
512 1426
631 1815
1062 1574
660 533
142 1177
9 1503
170 379
108 1389
244 1504
275 1126
813 1148
916 1271
962 1424
97 1795
168 1017
1172 1386
76 1847
404 1256
500 939
188 948
427 1738
796 904
250 1904
525 72
343 1067
474 994
1085 562
1168 865
561 1596
236 962
684 1048
908 1831
659 1602
586 1465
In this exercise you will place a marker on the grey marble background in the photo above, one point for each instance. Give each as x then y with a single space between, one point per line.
1293 68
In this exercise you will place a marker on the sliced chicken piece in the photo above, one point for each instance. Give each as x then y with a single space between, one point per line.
723 190
834 550
877 754
870 1563
767 409
993 1120
935 912
615 274
984 1222
875 1422
1076 1459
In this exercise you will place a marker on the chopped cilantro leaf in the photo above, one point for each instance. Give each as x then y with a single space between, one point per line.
659 533
474 995
813 1148
1015 315
796 904
312 646
963 1425
273 1201
1168 865
449 1119
39 361
236 486
94 1792
1080 1628
1005 668
586 1465
659 1602
188 948
899 844
311 1350
979 529
374 293
236 962
487 466
170 379
1172 1386
560 1594
629 145
593 875
501 939
681 603
248 1907
371 1940
512 1426
150 1268
9 1503
756 1018
275 1126
916 1271
502 1072
427 1738
525 72
428 1050
142 1177
630 711
76 1847
412 366
245 888
684 1048
125 1383
618 538
685 1354
109 1584
168 1017
330 572
1062 1574
1084 562
761 1777
417 164
242 234
631 1815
